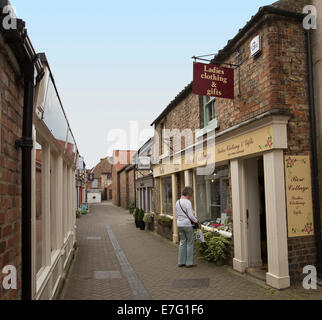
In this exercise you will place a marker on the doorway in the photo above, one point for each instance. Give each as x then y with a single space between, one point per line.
256 217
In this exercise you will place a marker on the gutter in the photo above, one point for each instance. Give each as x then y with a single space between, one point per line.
315 168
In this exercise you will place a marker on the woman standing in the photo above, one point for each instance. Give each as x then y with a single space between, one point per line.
185 218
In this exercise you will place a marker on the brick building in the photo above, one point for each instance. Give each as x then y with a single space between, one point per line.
11 119
126 178
38 156
120 160
102 179
245 157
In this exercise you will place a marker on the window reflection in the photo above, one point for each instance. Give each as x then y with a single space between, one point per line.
167 196
213 200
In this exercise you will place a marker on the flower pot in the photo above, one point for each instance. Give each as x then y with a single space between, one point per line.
142 225
137 223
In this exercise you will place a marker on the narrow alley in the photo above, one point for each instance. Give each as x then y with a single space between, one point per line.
116 261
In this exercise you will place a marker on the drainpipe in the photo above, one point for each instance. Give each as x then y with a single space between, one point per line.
315 170
26 145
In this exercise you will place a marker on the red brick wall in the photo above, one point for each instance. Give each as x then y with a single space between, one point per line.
131 185
122 158
124 190
11 114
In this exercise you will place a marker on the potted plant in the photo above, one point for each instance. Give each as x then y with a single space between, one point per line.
148 220
136 217
140 219
78 213
131 206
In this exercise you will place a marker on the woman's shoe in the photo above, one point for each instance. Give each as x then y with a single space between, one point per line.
192 266
181 265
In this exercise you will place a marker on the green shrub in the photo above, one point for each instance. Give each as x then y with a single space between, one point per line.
164 219
78 213
215 249
136 213
131 204
140 215
148 217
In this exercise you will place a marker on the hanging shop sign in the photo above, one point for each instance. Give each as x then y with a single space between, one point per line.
213 81
90 177
299 196
144 163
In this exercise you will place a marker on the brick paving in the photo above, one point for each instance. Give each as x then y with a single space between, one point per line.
141 265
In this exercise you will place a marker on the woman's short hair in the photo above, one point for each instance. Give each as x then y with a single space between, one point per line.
188 191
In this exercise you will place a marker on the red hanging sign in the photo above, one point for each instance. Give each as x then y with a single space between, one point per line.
213 81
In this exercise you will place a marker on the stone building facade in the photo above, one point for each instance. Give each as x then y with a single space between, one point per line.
270 115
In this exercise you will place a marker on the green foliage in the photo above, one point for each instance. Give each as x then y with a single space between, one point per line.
132 204
215 249
140 215
164 219
148 217
78 213
136 213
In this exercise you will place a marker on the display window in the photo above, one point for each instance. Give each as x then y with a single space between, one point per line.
167 196
213 203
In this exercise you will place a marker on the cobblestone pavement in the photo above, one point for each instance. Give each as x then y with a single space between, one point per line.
116 261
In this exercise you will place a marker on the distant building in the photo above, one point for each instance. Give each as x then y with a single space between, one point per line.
120 160
101 179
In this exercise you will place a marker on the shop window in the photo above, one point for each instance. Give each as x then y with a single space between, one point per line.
167 196
213 199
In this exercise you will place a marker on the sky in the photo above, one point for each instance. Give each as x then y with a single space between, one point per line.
118 64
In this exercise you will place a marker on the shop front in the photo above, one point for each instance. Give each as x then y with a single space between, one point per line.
145 195
245 196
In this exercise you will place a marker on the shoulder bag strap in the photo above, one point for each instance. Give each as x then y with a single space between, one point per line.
185 213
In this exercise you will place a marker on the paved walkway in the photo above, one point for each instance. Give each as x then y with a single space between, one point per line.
116 261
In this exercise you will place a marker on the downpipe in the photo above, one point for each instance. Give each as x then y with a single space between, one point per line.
315 168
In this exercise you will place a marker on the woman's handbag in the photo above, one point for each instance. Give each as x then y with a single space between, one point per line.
194 225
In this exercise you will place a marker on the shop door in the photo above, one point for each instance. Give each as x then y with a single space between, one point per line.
255 213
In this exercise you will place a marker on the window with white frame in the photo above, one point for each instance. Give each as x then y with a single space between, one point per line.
209 110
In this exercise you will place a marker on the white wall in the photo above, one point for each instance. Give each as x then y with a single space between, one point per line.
94 198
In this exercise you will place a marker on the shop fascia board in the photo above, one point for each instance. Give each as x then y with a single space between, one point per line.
277 119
